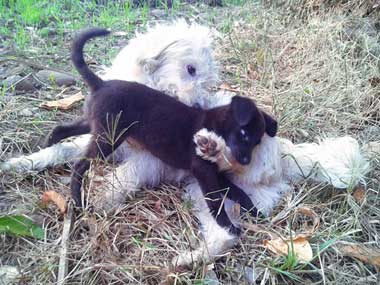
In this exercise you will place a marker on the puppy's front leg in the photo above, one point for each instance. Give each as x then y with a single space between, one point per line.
207 175
237 194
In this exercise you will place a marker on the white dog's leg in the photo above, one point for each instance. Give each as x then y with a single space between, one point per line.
216 239
51 156
140 169
338 161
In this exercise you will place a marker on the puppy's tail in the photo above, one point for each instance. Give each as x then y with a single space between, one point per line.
93 81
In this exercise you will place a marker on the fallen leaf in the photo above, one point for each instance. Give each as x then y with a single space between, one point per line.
252 73
259 229
226 86
359 194
307 230
366 254
119 34
301 246
21 226
235 211
374 81
56 198
157 206
372 147
9 274
63 104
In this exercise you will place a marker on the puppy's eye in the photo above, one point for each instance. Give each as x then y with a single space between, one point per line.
191 69
243 135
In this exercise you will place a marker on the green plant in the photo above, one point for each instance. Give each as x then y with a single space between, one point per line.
21 226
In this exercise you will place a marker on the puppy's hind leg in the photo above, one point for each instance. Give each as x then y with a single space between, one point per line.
61 132
98 147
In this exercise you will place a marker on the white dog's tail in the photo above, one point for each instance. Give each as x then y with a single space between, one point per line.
338 161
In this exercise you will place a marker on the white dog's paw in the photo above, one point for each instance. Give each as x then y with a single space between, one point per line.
188 258
209 145
181 260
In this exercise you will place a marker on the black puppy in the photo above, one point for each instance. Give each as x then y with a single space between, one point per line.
117 110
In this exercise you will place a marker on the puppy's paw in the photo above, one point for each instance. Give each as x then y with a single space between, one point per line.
209 145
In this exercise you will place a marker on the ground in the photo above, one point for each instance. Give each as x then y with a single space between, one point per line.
313 63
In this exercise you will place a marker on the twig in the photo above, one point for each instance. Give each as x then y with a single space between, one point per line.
36 65
18 81
63 261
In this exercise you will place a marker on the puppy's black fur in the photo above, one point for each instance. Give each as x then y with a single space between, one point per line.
117 110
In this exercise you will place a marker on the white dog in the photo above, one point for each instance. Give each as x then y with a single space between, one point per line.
178 59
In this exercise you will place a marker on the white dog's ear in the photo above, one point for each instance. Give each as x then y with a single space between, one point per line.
150 65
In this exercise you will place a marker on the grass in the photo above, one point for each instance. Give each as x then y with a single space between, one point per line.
314 66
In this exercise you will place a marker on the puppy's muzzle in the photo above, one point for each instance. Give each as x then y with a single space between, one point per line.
243 159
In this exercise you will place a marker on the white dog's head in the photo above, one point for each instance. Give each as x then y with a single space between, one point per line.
176 58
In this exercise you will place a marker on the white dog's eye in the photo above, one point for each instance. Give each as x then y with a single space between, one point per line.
191 69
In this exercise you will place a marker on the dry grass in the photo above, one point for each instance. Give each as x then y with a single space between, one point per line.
317 68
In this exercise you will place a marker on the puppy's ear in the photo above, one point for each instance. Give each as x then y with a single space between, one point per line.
271 125
150 65
243 109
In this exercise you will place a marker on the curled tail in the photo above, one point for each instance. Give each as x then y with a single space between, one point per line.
337 161
93 81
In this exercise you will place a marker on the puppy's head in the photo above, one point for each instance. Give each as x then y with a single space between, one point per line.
245 126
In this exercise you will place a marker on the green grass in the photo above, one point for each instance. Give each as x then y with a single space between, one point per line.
45 16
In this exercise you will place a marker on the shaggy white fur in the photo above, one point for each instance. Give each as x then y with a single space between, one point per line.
337 161
160 59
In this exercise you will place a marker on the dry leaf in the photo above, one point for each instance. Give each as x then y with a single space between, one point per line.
158 207
235 211
374 81
372 147
226 86
309 231
359 194
119 34
301 246
63 104
363 253
252 73
259 229
56 198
